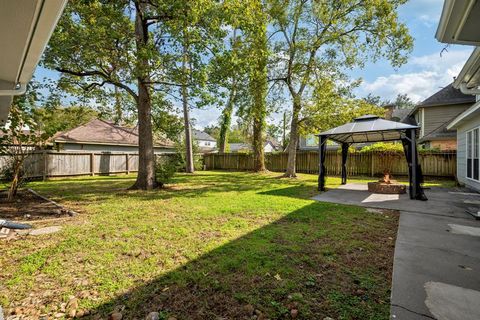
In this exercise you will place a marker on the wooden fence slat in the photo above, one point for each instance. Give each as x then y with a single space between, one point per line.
434 163
57 164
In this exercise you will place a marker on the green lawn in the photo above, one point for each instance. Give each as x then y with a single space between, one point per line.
211 245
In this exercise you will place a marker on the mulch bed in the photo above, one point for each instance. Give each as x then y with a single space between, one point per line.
28 207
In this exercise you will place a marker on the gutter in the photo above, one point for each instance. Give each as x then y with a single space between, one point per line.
465 90
20 89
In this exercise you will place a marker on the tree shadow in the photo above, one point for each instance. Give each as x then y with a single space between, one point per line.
191 186
322 260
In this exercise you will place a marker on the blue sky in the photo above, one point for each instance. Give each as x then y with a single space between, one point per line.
425 73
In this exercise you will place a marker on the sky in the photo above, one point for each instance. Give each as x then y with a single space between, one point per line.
429 67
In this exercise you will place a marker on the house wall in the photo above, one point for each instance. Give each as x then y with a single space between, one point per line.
309 142
444 145
207 143
269 148
471 123
435 117
105 148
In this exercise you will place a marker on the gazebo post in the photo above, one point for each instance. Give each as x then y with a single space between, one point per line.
413 155
322 152
344 162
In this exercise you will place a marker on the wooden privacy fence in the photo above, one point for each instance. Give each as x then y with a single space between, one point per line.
46 164
438 164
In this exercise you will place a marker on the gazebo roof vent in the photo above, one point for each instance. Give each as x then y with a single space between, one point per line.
366 117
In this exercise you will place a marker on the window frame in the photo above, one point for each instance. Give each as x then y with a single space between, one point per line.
471 151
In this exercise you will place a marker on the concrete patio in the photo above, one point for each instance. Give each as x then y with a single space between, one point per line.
437 252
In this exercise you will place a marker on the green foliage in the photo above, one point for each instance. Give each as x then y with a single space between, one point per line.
20 138
333 106
387 147
167 166
56 119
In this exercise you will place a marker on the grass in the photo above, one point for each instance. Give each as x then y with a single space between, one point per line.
213 244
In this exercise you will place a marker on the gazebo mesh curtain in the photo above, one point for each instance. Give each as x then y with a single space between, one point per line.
411 154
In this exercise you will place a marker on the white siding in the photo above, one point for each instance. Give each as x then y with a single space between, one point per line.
471 123
207 144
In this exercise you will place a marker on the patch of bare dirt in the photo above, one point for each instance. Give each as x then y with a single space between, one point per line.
28 207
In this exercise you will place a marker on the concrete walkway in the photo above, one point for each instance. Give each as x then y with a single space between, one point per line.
437 253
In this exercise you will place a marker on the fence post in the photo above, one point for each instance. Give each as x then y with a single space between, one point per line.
45 165
372 162
127 165
92 165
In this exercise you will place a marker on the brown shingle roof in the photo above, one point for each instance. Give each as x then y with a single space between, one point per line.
100 131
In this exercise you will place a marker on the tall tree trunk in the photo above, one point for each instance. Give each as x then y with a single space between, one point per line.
227 112
258 89
292 145
189 168
118 107
227 118
12 192
146 159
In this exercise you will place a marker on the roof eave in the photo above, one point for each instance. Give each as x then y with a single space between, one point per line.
42 23
470 73
456 18
107 143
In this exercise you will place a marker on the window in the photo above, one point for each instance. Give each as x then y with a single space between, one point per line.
473 154
311 141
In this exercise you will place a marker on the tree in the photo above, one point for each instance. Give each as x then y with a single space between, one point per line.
403 101
120 45
19 140
55 119
258 83
316 38
332 105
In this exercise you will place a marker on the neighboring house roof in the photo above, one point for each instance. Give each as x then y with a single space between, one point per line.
400 114
200 135
446 96
235 147
33 22
104 132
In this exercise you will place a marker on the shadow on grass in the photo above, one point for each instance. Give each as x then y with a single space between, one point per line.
322 260
183 185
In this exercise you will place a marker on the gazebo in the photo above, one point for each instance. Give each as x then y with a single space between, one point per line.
372 128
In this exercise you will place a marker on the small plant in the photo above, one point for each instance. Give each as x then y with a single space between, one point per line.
18 143
167 166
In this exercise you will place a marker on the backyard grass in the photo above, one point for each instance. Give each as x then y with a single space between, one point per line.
214 245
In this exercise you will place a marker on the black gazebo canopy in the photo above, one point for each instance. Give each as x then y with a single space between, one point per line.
371 128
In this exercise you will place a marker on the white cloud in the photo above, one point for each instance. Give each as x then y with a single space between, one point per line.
427 75
205 117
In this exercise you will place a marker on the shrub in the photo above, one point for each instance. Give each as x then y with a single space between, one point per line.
384 147
166 166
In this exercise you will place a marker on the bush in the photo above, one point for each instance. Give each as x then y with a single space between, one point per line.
384 147
166 166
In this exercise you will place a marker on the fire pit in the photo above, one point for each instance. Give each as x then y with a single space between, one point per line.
387 185
387 188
